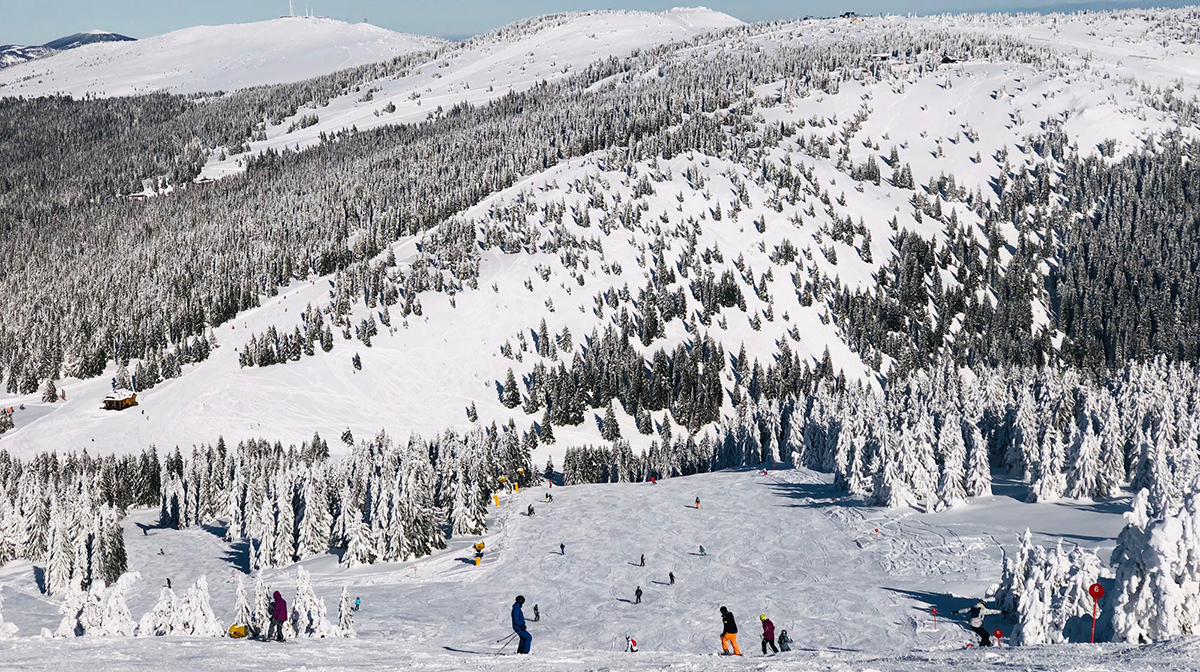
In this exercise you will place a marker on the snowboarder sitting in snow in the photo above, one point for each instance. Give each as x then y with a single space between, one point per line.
630 645
728 633
768 636
702 551
278 617
785 642
518 625
977 613
530 512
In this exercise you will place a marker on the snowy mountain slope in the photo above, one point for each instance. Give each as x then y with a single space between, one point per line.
13 54
212 58
784 544
424 373
514 58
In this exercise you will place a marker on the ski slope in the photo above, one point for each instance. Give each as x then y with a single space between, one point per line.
484 68
211 58
784 544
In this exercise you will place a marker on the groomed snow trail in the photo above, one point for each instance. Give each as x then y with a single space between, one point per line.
784 544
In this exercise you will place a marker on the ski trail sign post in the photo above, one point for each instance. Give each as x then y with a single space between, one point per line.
1096 591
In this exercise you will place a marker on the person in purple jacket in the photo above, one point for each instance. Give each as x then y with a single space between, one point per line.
768 636
278 617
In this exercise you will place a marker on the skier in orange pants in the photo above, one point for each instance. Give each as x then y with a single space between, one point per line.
728 633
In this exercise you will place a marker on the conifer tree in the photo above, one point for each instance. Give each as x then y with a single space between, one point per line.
511 397
346 615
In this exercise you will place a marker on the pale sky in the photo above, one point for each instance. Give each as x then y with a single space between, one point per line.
38 21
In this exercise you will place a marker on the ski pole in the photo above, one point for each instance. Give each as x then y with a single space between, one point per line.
506 643
509 638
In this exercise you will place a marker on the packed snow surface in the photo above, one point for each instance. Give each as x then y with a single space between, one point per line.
783 544
211 58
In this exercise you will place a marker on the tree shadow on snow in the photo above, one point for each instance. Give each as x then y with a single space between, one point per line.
1004 485
238 555
1115 505
39 576
943 602
818 495
147 528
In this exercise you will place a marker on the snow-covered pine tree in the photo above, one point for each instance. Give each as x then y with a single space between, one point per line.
610 430
263 601
1026 447
511 396
317 520
954 456
243 614
123 381
1084 477
74 600
308 615
6 421
60 564
979 472
1049 482
197 618
1012 580
163 619
116 620
49 392
345 615
360 547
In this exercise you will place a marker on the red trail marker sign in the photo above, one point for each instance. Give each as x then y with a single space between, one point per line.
1096 591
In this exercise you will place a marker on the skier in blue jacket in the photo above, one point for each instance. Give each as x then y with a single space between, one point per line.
518 624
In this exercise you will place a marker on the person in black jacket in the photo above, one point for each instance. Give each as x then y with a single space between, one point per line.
728 633
637 595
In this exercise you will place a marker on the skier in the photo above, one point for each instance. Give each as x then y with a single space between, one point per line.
536 616
652 481
518 625
702 551
562 549
728 633
643 560
768 636
637 595
785 642
977 613
278 617
357 603
168 583
530 512
630 644
671 576
697 502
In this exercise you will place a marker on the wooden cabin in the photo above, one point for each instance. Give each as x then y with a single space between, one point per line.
120 400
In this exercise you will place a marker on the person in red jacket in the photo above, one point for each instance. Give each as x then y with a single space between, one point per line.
768 636
278 618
